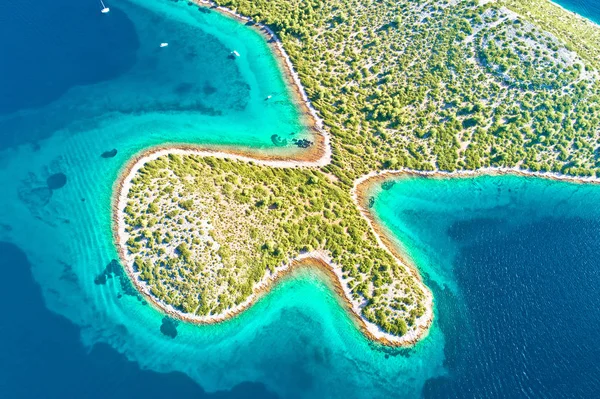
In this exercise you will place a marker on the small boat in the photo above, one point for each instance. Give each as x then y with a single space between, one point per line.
164 44
235 53
268 97
105 10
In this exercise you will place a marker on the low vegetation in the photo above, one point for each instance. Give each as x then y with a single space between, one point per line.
428 85
446 85
202 232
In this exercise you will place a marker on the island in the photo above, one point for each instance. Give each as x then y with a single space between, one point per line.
388 88
203 234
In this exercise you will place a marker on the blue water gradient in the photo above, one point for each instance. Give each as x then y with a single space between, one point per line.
76 84
57 174
513 265
42 346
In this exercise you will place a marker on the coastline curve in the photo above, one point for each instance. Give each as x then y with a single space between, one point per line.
319 259
316 156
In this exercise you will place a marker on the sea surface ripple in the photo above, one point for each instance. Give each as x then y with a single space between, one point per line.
512 262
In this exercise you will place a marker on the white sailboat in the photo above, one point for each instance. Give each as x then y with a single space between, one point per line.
235 53
105 10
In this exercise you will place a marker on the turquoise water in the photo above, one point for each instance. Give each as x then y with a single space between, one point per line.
105 84
513 266
189 92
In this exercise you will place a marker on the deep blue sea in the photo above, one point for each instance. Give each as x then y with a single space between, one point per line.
512 262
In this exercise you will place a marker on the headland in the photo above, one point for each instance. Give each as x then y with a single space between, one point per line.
380 286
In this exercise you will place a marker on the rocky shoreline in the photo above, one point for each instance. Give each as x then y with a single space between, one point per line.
313 259
320 260
316 156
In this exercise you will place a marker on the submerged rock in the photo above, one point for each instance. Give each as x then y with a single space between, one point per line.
303 143
56 181
278 141
114 269
101 279
207 89
388 184
371 202
184 87
35 197
68 274
109 154
5 227
169 327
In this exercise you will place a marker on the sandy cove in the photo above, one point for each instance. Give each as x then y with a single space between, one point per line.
362 186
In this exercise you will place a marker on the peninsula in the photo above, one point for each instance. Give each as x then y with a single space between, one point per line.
430 87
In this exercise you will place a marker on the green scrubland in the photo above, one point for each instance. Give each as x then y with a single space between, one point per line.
427 85
202 231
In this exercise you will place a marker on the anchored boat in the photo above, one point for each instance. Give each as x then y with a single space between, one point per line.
105 10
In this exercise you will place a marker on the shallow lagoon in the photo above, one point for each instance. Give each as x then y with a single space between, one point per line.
298 341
